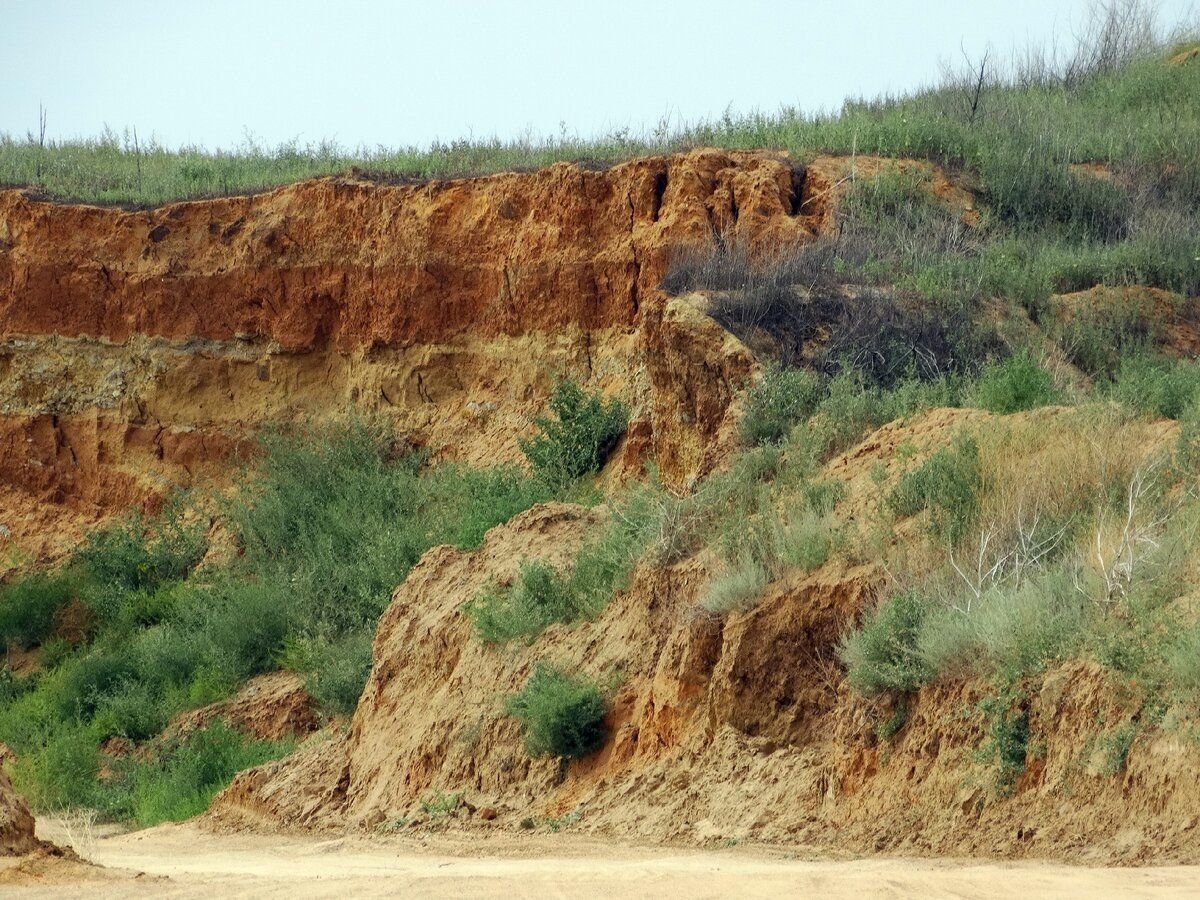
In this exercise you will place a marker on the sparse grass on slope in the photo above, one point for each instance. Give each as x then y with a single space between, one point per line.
1114 99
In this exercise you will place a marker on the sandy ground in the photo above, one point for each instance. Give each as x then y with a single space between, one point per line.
184 861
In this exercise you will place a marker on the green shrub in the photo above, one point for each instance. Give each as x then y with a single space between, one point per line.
804 541
241 624
332 520
1115 745
181 778
947 484
60 773
1014 385
1009 632
142 553
1159 386
132 709
86 680
29 604
563 714
851 409
539 597
54 652
329 523
480 499
1098 337
881 654
577 441
780 399
1008 740
338 672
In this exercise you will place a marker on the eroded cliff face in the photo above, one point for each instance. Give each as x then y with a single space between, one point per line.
141 349
722 728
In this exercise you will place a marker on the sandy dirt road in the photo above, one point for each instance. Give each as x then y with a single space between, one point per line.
185 861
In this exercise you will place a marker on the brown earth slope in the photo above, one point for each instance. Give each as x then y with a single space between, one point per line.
139 349
723 728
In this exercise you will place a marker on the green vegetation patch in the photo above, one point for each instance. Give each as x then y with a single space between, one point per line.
947 485
562 713
577 440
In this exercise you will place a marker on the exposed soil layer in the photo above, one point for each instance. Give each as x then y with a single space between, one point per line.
141 350
17 836
269 707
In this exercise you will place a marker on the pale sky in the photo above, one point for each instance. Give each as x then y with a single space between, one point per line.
406 73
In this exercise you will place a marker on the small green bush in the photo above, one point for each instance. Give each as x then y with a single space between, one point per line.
1009 632
578 440
181 778
242 625
132 709
1014 385
563 714
480 499
781 399
737 587
947 484
1156 385
539 597
804 541
1115 745
29 604
338 671
1008 740
142 553
881 654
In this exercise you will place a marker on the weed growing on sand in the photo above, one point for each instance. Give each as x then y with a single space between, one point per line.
1014 385
946 485
28 606
1008 738
888 728
882 655
439 805
574 443
737 587
563 713
542 595
555 824
1115 745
